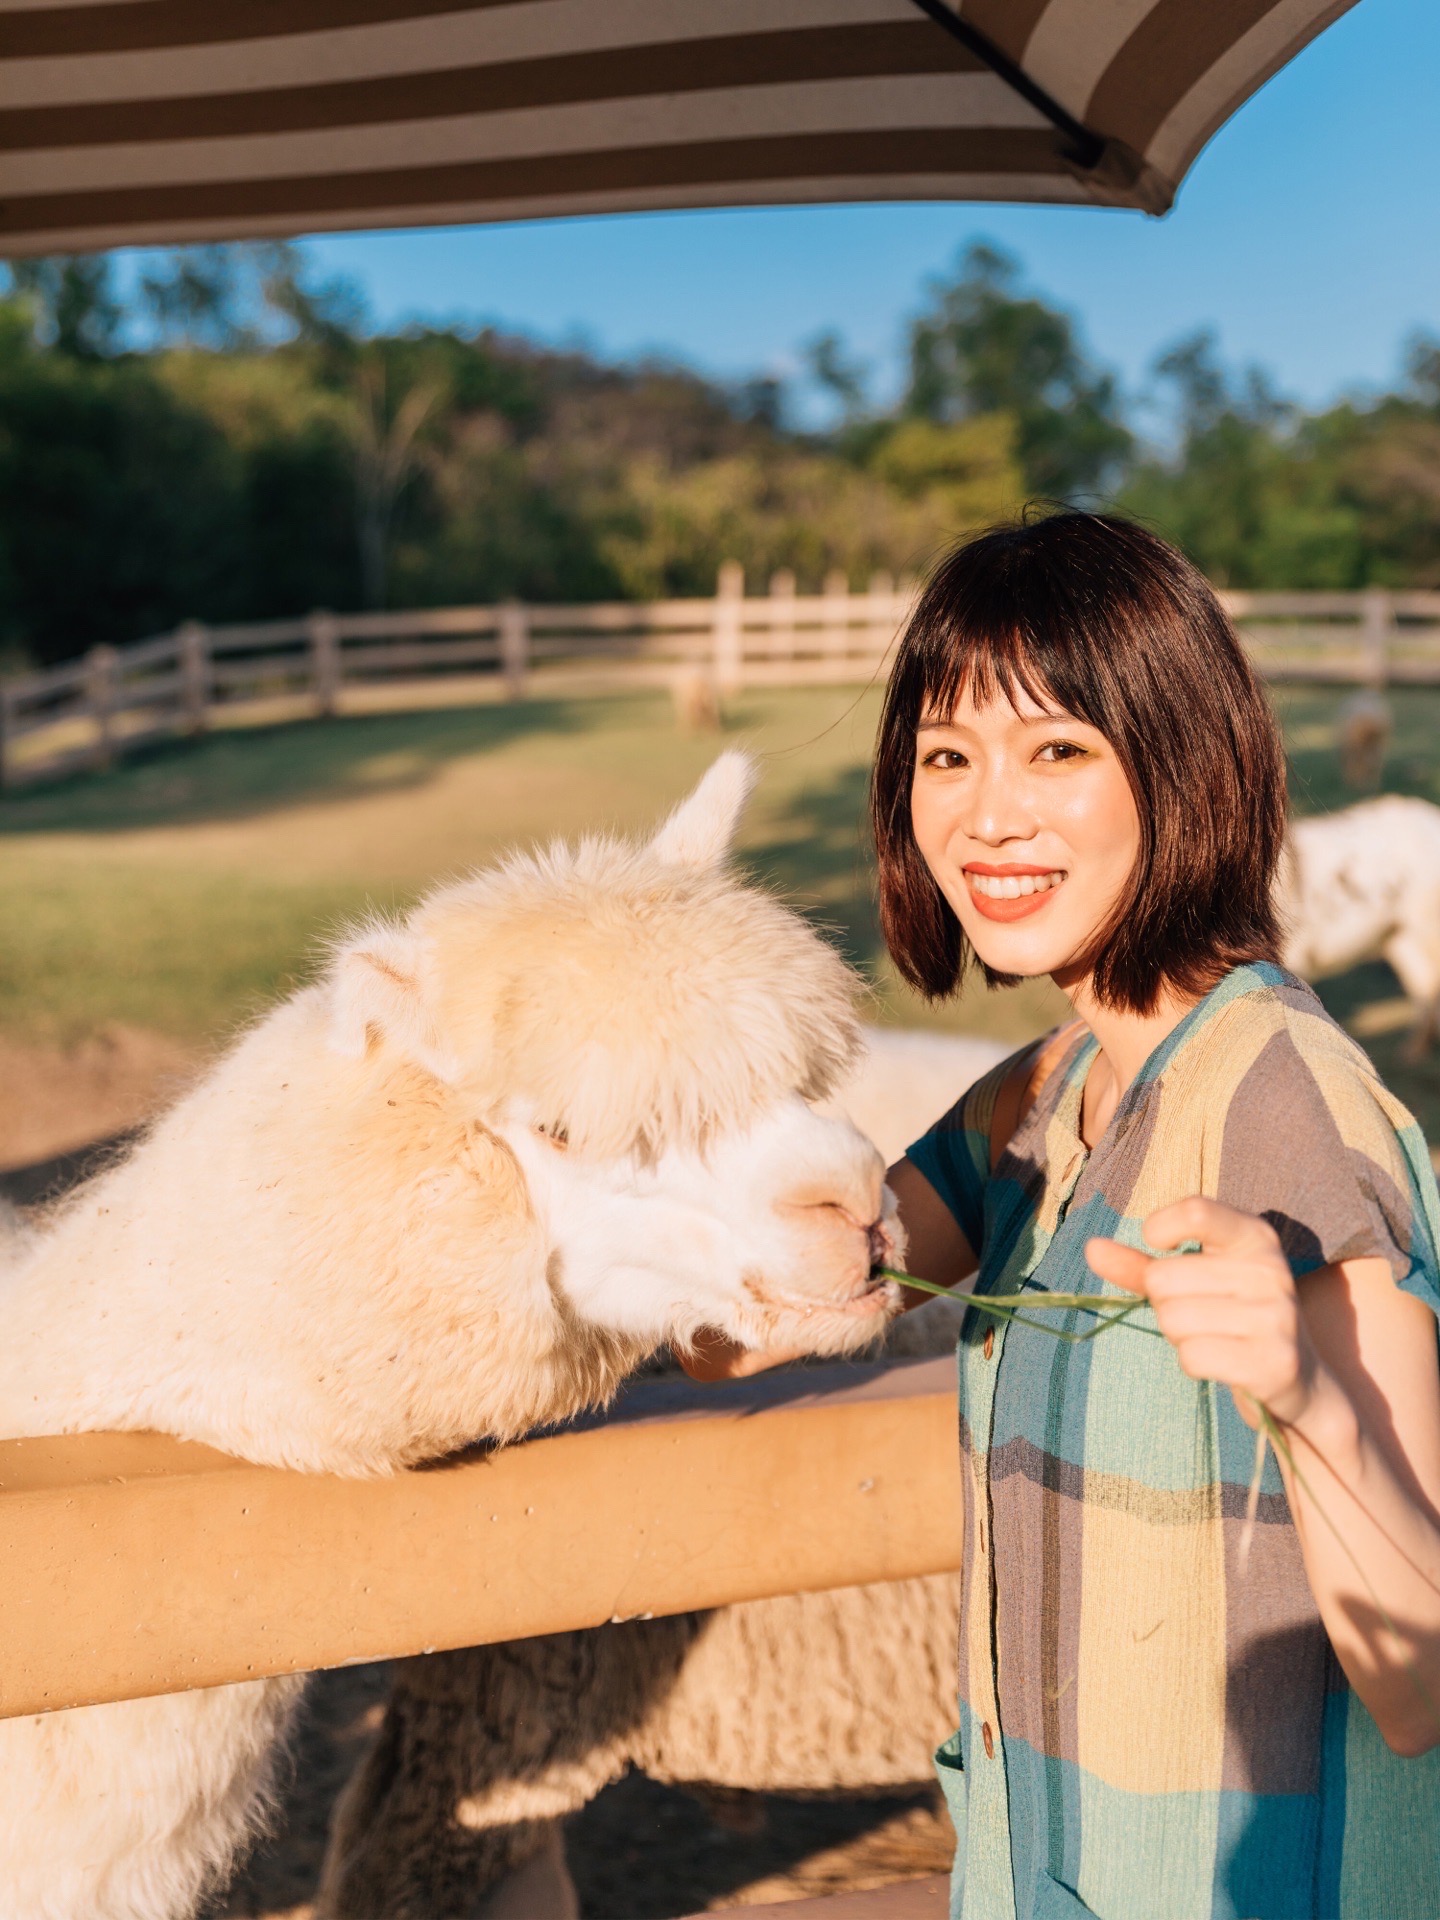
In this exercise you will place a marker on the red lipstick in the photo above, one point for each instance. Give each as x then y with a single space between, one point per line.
1020 908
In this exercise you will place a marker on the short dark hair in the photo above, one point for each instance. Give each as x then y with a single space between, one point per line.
1104 619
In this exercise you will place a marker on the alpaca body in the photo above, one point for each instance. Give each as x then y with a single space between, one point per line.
456 1190
455 1812
1364 884
137 1809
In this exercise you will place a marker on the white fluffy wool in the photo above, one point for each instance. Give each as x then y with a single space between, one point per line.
1364 884
364 1240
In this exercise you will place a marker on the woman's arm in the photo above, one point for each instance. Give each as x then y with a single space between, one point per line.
1347 1366
936 1250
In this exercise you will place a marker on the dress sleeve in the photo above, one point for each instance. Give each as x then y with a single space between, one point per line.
1316 1144
954 1155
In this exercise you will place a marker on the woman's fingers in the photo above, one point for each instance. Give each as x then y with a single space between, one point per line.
1160 1280
1217 1229
1192 1315
1123 1267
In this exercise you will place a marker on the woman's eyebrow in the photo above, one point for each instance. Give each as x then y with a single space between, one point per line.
1025 720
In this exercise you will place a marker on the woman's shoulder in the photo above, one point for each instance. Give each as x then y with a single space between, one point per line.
1302 1129
1265 1031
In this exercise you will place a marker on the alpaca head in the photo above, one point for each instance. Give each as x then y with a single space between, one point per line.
644 1032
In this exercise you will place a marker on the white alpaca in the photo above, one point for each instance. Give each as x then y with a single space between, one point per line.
1364 884
455 1813
458 1188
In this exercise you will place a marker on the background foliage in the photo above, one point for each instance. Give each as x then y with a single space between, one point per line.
234 443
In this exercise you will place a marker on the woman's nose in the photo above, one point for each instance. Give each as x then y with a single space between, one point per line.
998 810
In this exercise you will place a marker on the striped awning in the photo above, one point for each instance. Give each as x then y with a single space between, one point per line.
128 122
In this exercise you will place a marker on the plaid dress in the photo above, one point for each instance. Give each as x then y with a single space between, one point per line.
1146 1731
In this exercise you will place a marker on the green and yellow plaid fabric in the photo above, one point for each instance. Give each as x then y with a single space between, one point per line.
1147 1730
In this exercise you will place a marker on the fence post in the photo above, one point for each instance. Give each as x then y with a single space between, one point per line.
1379 623
515 648
194 664
780 642
882 610
835 636
102 689
324 662
729 636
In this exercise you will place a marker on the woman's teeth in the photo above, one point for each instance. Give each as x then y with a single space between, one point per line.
1013 886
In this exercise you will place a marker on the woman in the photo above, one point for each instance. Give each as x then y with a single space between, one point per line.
1175 1700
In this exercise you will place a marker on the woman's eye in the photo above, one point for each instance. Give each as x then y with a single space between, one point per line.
1060 750
947 759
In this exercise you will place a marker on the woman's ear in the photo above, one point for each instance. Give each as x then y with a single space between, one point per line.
378 992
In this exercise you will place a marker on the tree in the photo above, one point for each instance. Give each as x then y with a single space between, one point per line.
72 301
982 346
831 368
1250 492
383 427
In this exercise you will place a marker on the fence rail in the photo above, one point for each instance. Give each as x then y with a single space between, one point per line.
137 1564
90 712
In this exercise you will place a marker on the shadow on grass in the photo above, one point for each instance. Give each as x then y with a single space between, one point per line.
1311 717
818 854
249 770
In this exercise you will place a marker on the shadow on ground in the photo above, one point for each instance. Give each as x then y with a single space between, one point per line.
639 1851
249 770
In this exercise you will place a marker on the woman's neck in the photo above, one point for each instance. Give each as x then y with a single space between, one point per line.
1126 1042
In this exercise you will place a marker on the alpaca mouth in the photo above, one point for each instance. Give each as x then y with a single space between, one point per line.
873 1294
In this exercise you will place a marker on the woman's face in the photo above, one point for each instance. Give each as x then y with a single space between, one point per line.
1027 822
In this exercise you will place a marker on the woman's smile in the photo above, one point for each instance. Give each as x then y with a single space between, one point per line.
1011 892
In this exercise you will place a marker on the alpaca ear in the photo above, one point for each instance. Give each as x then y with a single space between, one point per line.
378 990
701 830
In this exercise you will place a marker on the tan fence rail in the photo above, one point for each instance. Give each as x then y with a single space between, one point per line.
137 1564
90 711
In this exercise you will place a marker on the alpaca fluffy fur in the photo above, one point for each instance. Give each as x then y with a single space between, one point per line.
1364 884
455 1812
457 1188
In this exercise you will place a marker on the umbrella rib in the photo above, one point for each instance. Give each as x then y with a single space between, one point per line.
1086 148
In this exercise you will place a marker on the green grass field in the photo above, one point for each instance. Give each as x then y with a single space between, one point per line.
183 891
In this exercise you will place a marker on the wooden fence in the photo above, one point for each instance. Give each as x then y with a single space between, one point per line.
90 711
137 1564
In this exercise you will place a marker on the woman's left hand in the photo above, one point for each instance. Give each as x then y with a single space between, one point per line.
1231 1311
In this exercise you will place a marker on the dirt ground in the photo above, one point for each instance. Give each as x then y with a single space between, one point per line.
639 1851
54 1100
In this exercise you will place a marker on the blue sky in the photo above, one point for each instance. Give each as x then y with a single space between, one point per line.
1308 234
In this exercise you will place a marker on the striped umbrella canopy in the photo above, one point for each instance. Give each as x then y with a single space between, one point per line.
162 121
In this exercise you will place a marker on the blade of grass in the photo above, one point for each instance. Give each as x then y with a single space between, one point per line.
1111 1311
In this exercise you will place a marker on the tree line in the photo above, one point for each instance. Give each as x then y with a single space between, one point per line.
232 442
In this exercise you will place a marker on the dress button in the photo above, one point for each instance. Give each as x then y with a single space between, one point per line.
989 1739
989 1341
